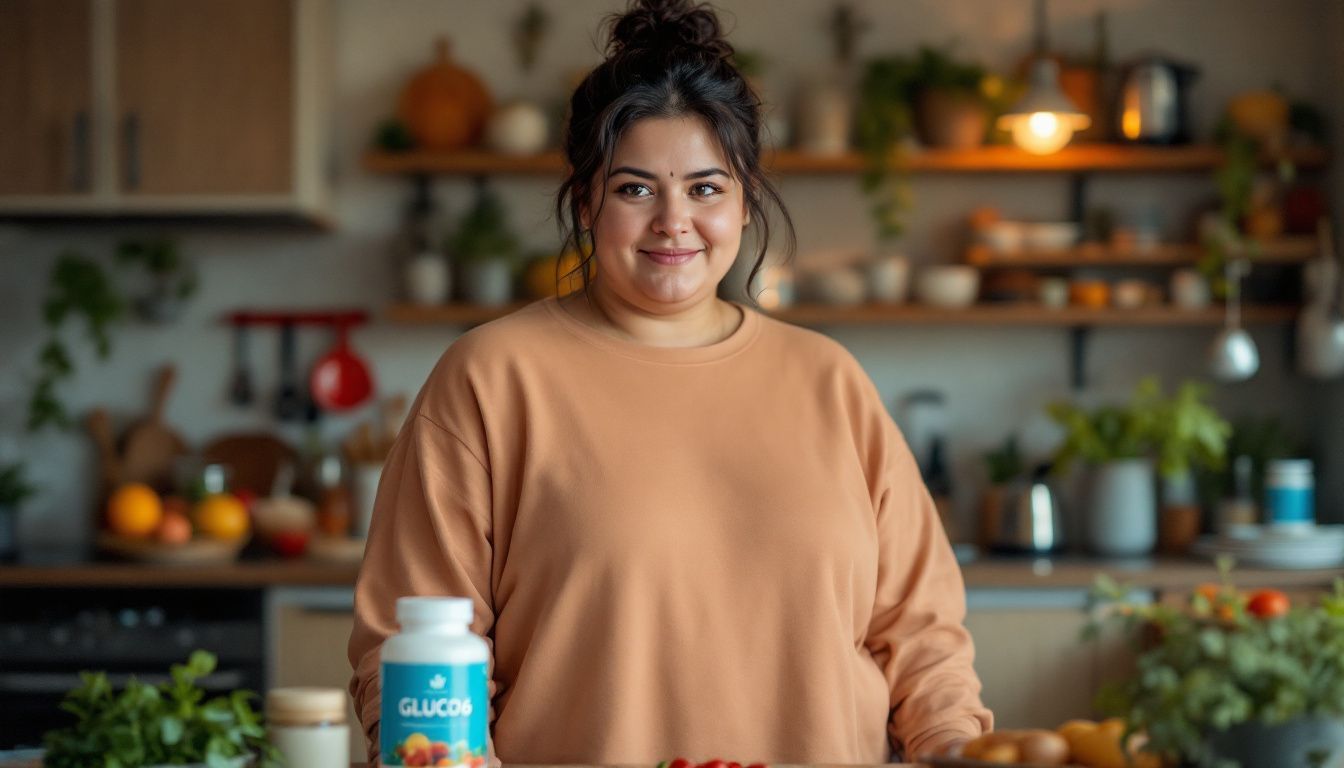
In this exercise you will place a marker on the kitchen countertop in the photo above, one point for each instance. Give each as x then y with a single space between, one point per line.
1070 572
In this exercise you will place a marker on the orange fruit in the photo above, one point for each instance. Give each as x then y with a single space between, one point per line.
222 516
175 529
134 510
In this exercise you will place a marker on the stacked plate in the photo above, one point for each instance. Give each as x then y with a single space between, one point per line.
1317 546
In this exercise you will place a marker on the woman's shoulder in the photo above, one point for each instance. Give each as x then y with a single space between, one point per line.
815 349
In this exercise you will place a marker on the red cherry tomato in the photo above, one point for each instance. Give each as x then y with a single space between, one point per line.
681 762
734 764
715 763
758 765
1268 603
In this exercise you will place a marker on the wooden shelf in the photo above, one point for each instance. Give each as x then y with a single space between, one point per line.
908 314
1280 251
1082 158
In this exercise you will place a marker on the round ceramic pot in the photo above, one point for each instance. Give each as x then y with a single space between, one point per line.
1122 509
488 282
1309 741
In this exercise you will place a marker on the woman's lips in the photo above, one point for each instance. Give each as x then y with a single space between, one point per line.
671 256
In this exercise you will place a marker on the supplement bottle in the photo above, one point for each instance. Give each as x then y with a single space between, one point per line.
435 699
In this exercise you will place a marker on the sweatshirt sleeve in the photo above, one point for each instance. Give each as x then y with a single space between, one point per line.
917 635
431 534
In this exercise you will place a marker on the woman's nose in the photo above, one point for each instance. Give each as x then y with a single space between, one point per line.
673 217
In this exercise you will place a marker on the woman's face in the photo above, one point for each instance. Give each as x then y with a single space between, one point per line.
672 221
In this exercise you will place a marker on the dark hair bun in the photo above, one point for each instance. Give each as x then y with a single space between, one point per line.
664 27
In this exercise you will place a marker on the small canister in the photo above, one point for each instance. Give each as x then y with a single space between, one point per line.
308 726
1290 493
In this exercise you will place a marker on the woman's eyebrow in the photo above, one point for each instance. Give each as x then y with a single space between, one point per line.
643 174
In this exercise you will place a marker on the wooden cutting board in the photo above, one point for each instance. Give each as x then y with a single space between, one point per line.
150 447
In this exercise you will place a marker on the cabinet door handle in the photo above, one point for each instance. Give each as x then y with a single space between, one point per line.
131 136
79 151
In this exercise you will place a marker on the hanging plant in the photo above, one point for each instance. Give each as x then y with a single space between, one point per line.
80 288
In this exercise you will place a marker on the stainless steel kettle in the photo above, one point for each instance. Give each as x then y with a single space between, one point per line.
1153 104
1027 520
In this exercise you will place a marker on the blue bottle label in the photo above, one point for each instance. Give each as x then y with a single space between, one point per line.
434 714
1289 506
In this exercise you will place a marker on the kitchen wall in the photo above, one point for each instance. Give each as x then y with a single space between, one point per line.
995 380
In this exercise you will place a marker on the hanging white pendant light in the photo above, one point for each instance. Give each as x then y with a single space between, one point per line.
1044 119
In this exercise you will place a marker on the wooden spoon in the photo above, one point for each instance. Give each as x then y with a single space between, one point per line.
150 446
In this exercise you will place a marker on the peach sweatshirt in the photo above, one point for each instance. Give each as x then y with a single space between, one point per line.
712 551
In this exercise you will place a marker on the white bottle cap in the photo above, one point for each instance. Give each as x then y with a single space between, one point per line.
435 610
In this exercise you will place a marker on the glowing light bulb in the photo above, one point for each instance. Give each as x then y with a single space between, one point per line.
1042 133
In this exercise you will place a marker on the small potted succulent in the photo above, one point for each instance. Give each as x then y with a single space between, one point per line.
172 277
485 250
1123 445
1230 677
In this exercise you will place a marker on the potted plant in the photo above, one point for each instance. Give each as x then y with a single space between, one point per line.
172 278
1004 465
1231 678
14 489
944 100
950 108
485 250
170 724
1121 443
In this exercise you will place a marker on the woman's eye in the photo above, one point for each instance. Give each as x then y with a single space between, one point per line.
705 190
634 190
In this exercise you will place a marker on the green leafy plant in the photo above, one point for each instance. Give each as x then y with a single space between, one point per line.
483 233
14 487
164 262
885 121
167 724
1223 659
1180 432
1005 462
79 288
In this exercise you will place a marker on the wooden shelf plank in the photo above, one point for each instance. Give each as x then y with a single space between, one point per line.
908 314
991 159
1280 251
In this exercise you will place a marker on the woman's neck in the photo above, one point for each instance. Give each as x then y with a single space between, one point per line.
707 322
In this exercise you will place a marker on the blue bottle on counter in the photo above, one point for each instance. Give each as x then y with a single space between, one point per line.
435 695
1290 493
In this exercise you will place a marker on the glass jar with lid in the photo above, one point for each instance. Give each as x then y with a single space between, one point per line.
308 726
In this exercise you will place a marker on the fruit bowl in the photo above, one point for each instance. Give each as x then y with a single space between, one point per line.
197 551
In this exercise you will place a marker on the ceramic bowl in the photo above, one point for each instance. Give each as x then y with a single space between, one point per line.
950 286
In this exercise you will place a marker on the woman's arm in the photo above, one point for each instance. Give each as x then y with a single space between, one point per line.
916 634
431 534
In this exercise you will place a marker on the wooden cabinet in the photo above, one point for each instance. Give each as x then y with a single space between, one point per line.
310 629
1036 670
215 107
45 97
203 94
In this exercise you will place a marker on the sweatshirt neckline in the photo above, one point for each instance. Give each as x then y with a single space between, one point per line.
735 342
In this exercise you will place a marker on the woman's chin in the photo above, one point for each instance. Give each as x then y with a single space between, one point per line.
672 290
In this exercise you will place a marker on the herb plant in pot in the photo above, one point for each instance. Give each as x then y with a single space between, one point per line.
485 250
14 490
170 724
1120 444
1231 678
950 109
1004 465
172 277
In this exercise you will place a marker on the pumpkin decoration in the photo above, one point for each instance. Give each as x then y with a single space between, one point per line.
444 106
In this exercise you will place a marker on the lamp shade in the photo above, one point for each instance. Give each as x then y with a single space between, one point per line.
1044 119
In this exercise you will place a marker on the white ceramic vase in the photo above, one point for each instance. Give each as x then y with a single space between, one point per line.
428 279
488 282
1121 508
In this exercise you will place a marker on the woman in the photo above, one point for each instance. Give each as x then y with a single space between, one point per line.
688 529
